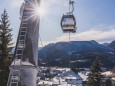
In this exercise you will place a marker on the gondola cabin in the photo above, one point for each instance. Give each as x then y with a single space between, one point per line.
68 23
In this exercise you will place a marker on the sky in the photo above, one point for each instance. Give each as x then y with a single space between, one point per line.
95 19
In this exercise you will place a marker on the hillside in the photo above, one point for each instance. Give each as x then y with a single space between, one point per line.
81 53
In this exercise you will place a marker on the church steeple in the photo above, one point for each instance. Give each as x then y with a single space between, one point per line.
26 52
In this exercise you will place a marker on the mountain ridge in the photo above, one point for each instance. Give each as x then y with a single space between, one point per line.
57 54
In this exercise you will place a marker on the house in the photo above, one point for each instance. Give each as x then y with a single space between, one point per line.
68 78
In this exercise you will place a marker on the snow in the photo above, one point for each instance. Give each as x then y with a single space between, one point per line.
66 78
18 62
107 73
62 69
45 82
84 77
15 78
71 74
70 77
12 51
113 78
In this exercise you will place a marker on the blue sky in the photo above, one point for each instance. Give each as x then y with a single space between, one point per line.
95 19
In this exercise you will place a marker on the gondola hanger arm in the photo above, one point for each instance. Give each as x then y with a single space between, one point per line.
71 5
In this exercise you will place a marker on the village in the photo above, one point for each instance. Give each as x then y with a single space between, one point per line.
67 77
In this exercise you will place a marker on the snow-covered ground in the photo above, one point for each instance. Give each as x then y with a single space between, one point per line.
107 73
65 78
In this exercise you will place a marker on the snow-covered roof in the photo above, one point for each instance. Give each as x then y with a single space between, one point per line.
83 76
67 75
71 75
61 69
45 82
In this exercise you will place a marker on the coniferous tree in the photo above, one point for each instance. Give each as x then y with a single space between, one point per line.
94 77
5 38
109 82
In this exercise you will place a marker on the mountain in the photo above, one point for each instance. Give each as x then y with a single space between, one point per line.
106 44
78 53
112 45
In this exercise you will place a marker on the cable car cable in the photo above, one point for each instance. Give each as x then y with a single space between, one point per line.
69 50
68 25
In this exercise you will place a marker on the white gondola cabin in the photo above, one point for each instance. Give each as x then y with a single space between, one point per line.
68 23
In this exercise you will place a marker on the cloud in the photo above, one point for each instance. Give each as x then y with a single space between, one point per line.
100 36
16 3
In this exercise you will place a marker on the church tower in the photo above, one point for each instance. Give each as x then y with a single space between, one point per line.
23 70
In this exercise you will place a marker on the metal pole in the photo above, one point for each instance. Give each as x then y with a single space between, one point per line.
71 3
69 49
69 6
